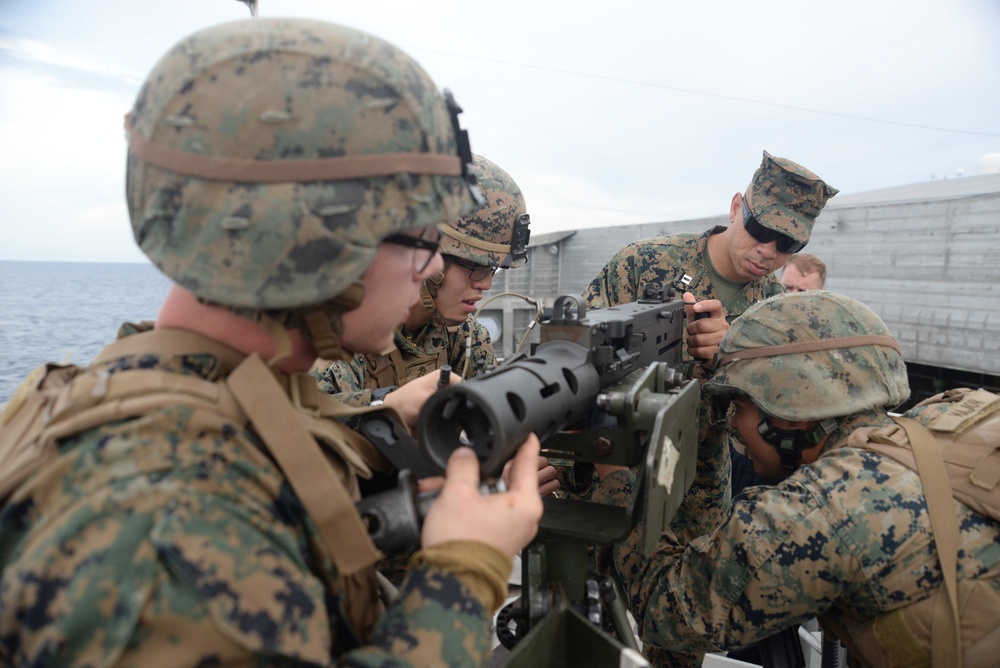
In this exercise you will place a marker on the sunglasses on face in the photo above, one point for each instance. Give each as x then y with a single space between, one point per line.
426 245
477 272
765 235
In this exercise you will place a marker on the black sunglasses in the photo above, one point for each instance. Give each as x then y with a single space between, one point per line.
427 242
477 272
764 235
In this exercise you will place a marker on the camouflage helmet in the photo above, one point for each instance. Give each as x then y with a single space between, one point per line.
495 234
269 157
811 356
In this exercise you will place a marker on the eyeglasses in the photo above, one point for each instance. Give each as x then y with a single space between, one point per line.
764 235
426 245
477 272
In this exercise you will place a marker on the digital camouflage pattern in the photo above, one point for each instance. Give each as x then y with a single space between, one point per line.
172 536
286 91
352 381
484 236
847 536
811 385
667 260
787 197
267 160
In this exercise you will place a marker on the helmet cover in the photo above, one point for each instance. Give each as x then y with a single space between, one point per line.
269 157
485 236
811 356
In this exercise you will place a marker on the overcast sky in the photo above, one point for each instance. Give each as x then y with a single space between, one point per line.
604 112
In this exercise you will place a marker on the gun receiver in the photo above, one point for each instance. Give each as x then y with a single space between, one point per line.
602 386
580 353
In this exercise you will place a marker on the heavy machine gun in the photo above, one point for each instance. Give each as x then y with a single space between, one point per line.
602 387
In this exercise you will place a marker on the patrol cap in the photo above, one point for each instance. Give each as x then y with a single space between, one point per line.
495 234
786 197
811 356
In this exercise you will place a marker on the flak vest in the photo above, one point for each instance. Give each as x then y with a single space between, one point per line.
958 458
391 368
288 413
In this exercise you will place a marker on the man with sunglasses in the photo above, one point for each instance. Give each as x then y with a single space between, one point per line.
720 274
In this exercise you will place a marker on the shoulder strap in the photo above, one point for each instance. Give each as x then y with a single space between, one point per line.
380 370
315 482
946 640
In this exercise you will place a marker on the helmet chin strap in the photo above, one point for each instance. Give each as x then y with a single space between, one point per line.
790 443
282 343
428 291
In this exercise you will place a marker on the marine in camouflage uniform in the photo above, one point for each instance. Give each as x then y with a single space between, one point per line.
494 236
181 502
847 535
431 347
785 199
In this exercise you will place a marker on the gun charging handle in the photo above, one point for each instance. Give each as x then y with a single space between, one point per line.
493 414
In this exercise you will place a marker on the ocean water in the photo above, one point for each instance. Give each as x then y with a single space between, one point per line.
68 311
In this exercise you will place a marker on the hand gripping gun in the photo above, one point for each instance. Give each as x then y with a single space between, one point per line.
603 387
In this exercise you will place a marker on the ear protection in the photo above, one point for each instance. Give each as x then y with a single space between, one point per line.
791 442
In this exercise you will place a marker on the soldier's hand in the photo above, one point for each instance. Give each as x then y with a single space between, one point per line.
706 325
410 398
507 521
548 477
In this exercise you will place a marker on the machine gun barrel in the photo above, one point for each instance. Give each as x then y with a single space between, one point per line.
580 353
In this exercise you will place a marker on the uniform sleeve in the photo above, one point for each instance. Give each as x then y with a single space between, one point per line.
438 619
776 561
616 283
346 381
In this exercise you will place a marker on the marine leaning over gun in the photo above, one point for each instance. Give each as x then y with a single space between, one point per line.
726 269
188 498
887 529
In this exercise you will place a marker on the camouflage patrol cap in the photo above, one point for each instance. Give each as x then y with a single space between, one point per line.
811 356
485 236
786 197
269 157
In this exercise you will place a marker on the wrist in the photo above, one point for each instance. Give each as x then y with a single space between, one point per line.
378 396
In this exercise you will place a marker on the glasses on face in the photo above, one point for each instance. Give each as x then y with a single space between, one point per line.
426 246
764 235
477 272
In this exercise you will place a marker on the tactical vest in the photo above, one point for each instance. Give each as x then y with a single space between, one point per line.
965 426
288 413
390 368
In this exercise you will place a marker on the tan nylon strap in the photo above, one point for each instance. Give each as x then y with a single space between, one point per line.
810 347
335 168
946 638
472 241
310 474
398 366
